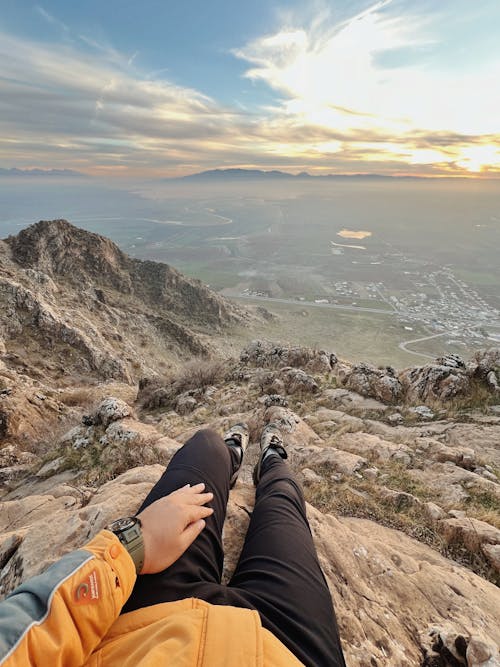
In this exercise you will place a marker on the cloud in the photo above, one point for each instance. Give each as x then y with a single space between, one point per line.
329 76
66 102
51 19
338 105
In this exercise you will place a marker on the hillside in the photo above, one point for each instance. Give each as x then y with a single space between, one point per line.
108 364
73 304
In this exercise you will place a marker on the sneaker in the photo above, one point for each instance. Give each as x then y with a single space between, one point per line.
237 438
271 444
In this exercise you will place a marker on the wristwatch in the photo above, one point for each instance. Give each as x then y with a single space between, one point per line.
128 531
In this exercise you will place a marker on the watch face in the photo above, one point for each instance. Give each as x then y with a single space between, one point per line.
120 525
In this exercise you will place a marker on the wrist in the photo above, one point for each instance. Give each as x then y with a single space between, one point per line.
129 531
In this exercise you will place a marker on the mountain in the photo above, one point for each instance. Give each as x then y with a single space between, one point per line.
72 303
65 173
258 174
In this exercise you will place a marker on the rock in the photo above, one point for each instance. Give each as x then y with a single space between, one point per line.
9 543
395 419
451 361
399 499
297 381
402 457
470 532
492 381
265 354
382 582
371 473
185 404
461 456
372 447
273 399
422 411
110 410
457 514
374 383
295 430
51 467
128 433
351 401
343 462
166 448
481 653
446 646
492 553
440 381
484 362
310 477
434 512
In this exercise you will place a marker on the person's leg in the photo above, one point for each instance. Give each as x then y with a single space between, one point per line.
204 458
279 575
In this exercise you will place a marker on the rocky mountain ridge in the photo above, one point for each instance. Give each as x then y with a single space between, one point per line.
401 469
71 302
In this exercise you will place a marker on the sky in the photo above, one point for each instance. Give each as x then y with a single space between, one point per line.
159 89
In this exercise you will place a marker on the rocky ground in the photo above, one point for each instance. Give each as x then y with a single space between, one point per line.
401 471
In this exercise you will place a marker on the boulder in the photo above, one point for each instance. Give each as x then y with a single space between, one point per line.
111 409
295 430
343 399
297 381
265 354
441 381
371 382
185 404
372 447
472 533
422 412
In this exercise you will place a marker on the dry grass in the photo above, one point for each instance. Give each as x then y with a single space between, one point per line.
195 375
484 505
363 499
479 397
99 464
80 397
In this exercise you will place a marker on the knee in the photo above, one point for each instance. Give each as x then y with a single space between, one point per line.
209 440
286 487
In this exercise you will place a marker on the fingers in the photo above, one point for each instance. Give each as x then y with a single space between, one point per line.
193 494
192 532
188 489
194 513
197 488
201 498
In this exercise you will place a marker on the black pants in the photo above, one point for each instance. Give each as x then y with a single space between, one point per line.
278 573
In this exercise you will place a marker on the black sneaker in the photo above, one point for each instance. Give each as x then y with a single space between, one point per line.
271 439
237 438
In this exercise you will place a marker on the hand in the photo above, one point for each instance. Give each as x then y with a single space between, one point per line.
170 525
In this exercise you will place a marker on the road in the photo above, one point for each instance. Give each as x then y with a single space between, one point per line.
402 346
337 306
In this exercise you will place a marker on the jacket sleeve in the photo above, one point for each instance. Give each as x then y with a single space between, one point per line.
59 617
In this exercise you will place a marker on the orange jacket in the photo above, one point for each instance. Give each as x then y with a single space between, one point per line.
70 616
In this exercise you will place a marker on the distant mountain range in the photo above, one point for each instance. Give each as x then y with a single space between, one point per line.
256 174
40 172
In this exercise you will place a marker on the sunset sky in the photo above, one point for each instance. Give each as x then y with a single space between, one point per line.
157 88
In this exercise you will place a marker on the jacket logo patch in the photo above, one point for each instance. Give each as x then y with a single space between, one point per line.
87 591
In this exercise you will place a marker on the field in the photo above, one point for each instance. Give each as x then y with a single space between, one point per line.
357 337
